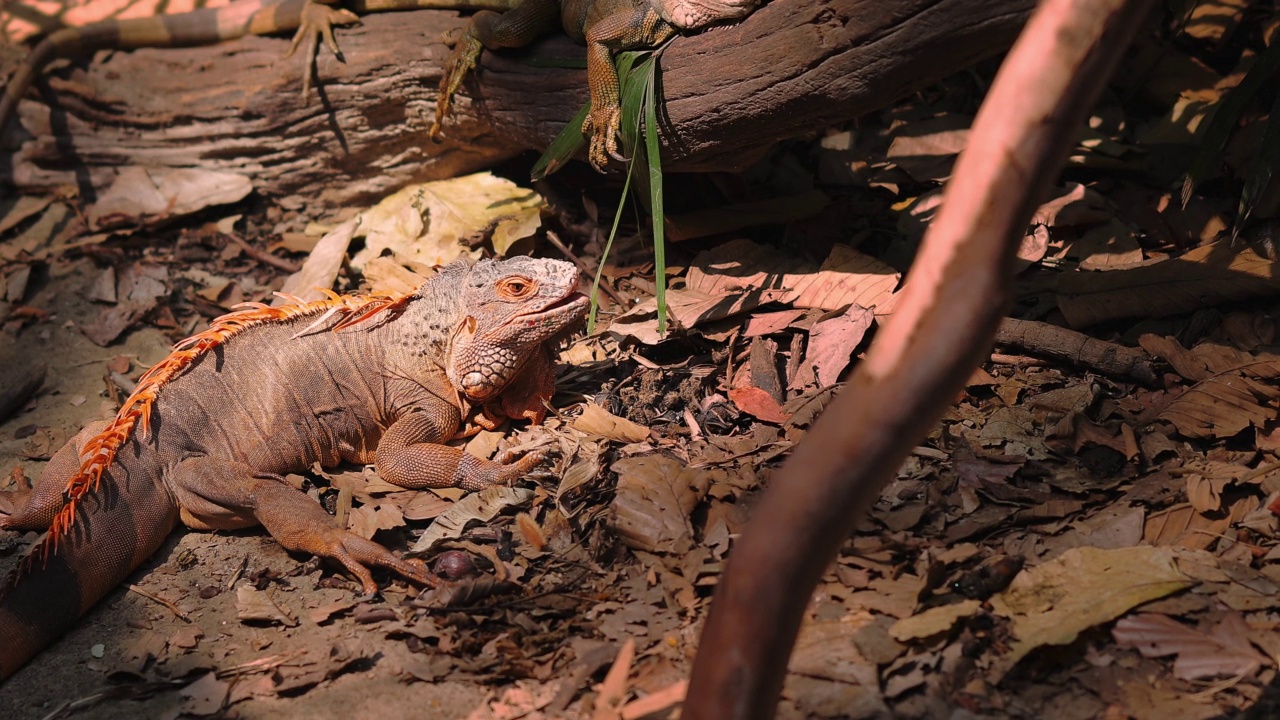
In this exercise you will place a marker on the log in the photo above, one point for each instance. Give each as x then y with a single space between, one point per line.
794 66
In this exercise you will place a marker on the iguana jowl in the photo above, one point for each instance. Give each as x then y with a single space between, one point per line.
211 429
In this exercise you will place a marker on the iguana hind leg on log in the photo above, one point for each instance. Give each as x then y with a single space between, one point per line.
605 26
210 431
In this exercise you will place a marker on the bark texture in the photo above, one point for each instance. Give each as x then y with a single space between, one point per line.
731 92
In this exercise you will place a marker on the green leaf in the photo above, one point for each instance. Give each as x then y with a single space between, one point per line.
654 156
1215 131
563 148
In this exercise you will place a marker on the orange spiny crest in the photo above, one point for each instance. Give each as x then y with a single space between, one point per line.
100 451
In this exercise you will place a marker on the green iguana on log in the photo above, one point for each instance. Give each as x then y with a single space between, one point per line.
604 26
209 432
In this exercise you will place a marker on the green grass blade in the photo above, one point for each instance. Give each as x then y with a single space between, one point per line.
653 156
608 245
563 148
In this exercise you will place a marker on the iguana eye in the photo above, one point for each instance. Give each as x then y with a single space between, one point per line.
516 288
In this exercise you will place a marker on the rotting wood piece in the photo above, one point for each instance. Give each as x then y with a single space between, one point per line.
731 92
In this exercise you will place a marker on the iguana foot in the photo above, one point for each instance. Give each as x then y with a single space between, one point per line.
357 554
318 22
465 53
477 474
601 125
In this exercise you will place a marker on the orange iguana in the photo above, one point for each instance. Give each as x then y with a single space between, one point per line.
210 430
605 26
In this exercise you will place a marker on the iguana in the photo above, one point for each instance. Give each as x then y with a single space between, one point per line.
605 26
210 430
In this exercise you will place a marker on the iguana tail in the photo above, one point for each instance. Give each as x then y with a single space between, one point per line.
206 26
116 511
116 529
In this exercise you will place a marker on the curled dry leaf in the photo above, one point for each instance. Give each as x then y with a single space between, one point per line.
597 421
253 605
656 493
758 404
428 224
832 342
934 621
481 506
152 197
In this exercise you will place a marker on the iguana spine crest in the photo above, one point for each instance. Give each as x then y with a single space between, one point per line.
101 451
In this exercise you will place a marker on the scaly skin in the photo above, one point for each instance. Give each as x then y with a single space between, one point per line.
605 26
210 432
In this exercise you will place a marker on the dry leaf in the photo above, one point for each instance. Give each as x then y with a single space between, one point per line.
758 404
1051 604
256 605
1222 651
480 506
427 224
1208 275
655 495
832 342
139 196
933 621
597 421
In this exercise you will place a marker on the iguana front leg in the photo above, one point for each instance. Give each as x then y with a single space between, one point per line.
410 455
216 494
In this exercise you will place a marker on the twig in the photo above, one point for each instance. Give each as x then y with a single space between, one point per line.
264 257
172 608
584 268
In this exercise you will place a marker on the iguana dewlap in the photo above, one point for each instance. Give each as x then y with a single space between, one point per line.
605 26
210 431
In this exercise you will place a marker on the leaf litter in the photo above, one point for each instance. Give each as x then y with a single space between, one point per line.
1065 522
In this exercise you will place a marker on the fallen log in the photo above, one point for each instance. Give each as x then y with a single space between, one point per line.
794 66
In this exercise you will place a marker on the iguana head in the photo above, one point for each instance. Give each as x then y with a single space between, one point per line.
509 309
697 14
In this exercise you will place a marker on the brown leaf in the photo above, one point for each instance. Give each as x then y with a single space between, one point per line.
205 696
758 404
655 495
846 277
597 421
832 342
254 605
1052 603
614 688
1208 275
1222 651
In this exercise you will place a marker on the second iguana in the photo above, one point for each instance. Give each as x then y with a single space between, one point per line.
210 431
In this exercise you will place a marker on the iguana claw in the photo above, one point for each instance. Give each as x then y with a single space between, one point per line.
601 125
318 21
466 51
